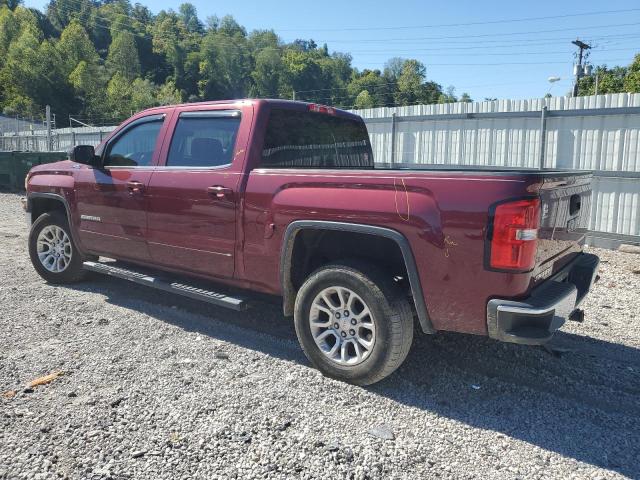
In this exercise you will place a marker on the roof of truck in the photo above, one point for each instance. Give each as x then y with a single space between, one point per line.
274 102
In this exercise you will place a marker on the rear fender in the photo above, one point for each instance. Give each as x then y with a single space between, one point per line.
288 290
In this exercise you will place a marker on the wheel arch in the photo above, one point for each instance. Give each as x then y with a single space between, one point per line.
287 254
44 202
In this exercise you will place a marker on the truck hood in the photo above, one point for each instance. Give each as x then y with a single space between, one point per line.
63 165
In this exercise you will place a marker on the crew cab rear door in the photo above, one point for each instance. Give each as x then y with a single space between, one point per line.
194 194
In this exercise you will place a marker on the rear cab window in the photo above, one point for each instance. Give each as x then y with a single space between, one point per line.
296 139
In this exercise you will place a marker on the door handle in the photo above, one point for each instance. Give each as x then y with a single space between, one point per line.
219 191
135 187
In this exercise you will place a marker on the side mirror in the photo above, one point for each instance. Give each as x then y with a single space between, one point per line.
84 154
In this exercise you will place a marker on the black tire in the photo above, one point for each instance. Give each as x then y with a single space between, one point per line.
74 271
392 315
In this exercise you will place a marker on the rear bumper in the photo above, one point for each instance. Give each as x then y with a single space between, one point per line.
534 320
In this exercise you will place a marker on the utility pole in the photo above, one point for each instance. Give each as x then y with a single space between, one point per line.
578 70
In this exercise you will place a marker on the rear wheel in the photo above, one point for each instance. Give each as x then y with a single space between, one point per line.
53 253
353 322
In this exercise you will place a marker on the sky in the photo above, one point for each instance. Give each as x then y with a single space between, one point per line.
495 49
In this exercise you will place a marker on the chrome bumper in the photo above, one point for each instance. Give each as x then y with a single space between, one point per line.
534 320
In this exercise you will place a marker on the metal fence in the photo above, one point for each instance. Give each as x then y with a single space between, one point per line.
599 133
60 139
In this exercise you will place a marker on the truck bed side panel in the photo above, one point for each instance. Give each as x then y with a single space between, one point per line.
443 216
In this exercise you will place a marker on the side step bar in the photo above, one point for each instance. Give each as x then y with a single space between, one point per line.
167 285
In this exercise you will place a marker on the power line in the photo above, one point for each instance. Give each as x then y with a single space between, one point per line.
483 35
563 52
475 45
503 63
506 42
489 22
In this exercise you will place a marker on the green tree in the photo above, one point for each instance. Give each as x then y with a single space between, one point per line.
632 79
61 12
230 27
409 89
225 69
189 16
17 76
267 74
393 68
75 47
179 49
13 23
143 94
610 80
301 73
449 96
374 84
10 4
89 87
9 30
364 100
123 56
91 56
167 94
119 96
336 73
261 39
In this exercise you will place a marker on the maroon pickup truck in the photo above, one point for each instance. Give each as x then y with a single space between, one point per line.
283 198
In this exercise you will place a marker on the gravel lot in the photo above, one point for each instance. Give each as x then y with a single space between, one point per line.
160 387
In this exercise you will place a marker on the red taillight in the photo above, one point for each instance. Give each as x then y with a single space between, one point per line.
514 235
314 107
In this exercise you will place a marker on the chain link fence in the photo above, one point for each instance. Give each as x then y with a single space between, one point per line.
60 139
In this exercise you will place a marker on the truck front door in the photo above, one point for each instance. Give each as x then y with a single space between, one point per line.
111 200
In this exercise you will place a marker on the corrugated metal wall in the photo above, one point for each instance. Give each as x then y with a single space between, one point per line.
599 133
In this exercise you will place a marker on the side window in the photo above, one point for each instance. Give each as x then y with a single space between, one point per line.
135 147
297 139
204 139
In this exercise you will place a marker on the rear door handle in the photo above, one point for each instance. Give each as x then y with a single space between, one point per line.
135 187
219 191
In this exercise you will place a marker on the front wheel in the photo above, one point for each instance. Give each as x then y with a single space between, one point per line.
53 253
353 322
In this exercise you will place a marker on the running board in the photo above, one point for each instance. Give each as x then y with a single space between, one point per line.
167 285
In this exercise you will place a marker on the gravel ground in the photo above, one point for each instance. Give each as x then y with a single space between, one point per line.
160 387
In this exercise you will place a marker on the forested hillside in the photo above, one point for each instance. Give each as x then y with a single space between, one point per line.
99 61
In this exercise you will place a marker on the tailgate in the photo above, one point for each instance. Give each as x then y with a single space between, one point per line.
565 202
